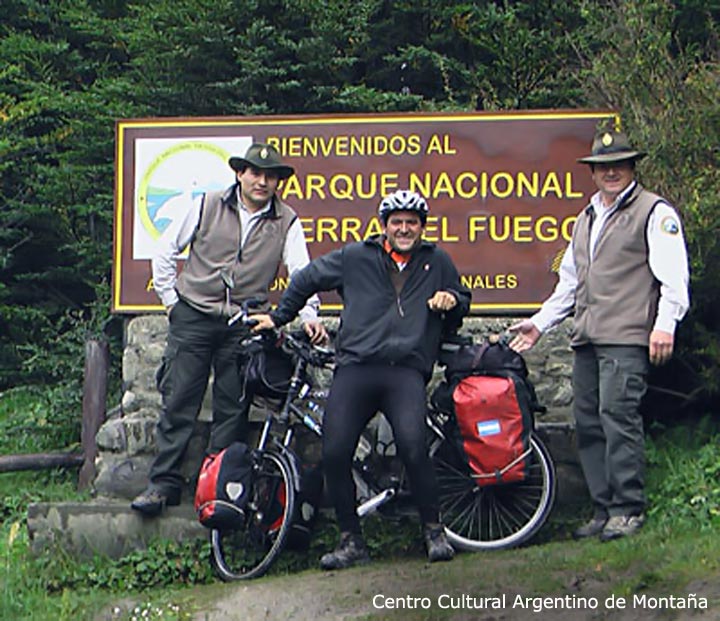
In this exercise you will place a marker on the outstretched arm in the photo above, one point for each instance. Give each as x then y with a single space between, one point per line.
558 306
322 274
527 334
314 329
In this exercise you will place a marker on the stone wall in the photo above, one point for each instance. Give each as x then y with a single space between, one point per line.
126 440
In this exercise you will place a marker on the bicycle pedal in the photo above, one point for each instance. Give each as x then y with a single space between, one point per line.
376 501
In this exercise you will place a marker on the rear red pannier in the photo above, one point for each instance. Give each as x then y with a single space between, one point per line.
494 426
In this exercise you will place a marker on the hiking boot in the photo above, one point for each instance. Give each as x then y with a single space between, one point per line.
590 529
153 501
350 551
437 544
622 526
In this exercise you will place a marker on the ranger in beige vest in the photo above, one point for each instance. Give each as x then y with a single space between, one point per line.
238 239
625 277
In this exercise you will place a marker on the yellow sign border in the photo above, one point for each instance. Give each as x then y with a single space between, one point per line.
126 124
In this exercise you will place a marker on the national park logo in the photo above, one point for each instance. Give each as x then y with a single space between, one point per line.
182 168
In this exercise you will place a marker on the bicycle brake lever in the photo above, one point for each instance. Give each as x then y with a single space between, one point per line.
242 316
236 317
244 313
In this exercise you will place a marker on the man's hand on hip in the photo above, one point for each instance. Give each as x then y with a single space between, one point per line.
661 347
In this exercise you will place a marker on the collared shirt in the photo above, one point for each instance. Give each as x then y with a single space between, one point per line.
178 235
667 259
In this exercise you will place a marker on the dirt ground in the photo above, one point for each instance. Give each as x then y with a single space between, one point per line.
369 592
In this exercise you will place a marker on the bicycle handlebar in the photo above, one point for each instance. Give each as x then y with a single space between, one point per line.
316 355
243 315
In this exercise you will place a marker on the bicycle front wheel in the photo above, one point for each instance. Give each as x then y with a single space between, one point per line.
249 550
493 517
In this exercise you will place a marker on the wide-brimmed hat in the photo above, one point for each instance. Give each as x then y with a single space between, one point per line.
263 156
611 146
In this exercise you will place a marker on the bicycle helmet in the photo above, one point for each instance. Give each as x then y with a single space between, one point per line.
403 200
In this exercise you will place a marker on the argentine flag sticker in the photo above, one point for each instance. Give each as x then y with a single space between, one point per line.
488 428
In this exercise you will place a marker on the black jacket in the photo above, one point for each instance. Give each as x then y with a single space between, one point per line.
377 324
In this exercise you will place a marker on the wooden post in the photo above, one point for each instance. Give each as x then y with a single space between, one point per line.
97 362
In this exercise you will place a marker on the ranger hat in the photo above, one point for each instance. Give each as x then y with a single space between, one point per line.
611 146
262 156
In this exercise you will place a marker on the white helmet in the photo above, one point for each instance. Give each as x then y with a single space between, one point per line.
403 200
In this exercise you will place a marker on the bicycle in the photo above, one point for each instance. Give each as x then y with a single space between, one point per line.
475 518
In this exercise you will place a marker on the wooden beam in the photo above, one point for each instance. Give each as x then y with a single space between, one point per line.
39 461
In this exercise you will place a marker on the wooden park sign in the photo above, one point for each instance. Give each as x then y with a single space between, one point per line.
503 188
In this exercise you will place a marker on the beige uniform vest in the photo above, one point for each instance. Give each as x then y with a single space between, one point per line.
215 250
617 295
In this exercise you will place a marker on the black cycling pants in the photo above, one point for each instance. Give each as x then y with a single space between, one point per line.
359 391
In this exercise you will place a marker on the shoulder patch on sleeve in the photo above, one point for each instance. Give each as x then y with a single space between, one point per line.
670 225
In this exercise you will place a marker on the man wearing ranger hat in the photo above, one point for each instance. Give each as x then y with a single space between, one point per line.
238 239
625 276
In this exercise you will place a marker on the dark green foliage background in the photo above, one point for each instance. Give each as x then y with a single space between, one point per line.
70 68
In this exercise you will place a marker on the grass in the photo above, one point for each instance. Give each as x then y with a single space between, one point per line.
650 564
678 546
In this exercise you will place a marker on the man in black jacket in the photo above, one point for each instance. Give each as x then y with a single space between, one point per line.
400 296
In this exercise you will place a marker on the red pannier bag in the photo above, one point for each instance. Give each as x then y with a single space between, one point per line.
495 419
224 487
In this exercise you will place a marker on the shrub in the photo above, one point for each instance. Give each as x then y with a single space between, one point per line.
684 478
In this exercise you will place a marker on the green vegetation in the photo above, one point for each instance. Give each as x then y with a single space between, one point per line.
30 424
70 68
679 544
657 63
685 478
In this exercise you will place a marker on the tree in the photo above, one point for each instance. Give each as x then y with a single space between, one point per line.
56 141
70 68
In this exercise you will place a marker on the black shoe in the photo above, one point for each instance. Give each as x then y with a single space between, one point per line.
437 544
590 529
153 501
350 551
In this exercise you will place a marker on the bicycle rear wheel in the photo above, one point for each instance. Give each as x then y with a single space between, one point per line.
249 550
493 517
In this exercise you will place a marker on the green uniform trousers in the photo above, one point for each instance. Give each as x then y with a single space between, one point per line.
609 383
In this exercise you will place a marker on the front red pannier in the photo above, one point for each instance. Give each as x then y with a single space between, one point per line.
224 487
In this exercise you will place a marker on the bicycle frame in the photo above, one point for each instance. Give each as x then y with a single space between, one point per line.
291 413
476 518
